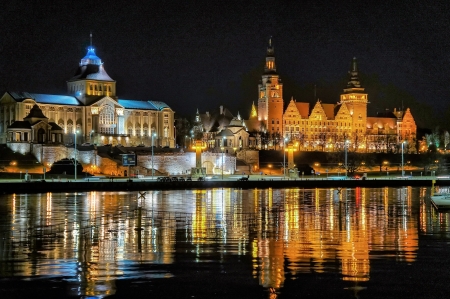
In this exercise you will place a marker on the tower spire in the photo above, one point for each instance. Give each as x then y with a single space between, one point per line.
353 75
90 36
270 67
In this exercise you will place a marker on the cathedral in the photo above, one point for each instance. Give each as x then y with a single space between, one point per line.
90 113
327 127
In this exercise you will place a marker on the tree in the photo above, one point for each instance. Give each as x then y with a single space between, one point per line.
65 166
446 139
276 138
182 126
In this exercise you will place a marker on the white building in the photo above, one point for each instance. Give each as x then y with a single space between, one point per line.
92 110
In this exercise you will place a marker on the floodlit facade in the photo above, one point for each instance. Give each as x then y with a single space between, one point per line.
323 126
91 109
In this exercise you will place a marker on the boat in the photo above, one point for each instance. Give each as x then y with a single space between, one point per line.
441 200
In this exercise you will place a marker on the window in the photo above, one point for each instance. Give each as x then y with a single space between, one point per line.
107 115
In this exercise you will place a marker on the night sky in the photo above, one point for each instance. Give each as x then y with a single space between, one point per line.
202 54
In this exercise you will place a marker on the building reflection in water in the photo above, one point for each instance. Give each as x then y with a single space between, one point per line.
96 238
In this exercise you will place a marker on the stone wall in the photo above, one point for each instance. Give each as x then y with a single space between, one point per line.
250 157
182 163
19 147
169 164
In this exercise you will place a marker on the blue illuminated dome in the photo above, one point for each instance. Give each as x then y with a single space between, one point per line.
90 58
91 67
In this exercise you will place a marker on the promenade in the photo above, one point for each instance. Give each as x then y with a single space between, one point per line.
10 186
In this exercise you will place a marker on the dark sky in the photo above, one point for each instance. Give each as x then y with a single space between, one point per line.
200 54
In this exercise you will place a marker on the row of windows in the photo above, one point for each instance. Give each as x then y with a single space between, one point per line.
297 129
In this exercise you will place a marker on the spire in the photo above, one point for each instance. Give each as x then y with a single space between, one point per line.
239 116
270 50
197 116
353 75
90 36
253 113
270 67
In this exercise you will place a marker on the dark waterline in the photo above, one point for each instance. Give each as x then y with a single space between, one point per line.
225 243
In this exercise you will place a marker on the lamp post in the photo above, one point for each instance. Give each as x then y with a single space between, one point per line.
75 148
153 170
284 157
403 172
345 162
223 150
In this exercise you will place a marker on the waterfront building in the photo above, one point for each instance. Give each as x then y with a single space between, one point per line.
91 109
326 126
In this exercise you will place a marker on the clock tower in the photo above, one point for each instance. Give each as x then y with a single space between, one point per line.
270 89
356 101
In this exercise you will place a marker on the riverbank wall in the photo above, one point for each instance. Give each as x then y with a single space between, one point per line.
138 185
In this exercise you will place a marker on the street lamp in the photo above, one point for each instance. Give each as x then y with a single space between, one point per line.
153 170
345 162
403 172
223 150
75 148
284 157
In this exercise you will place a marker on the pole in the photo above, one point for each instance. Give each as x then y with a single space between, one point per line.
284 158
223 150
153 135
345 162
402 159
75 148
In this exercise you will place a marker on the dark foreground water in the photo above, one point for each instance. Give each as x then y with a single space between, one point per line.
225 243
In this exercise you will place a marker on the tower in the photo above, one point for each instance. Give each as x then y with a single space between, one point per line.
356 101
91 80
270 89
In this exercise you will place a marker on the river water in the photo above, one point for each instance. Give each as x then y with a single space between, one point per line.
225 243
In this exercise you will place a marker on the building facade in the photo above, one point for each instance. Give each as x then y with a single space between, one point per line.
328 127
270 101
91 110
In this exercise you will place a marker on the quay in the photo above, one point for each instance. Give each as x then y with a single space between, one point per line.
15 186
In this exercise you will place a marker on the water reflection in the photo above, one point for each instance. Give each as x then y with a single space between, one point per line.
93 239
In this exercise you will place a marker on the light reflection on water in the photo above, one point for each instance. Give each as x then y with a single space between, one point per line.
93 239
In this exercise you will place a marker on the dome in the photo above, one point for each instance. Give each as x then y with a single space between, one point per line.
90 58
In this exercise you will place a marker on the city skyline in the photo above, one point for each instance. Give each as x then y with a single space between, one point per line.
211 54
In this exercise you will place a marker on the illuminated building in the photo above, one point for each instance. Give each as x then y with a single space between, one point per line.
270 99
92 109
326 126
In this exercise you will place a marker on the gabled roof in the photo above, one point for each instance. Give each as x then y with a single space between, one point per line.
55 127
44 98
329 110
303 109
225 132
35 112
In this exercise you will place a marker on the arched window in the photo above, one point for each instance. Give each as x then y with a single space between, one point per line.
107 115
